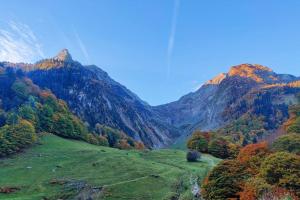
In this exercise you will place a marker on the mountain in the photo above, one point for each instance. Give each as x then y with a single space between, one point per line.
99 100
230 100
245 89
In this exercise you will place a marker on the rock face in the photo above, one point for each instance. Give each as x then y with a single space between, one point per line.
220 100
64 56
97 99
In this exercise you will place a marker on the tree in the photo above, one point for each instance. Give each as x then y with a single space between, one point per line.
102 141
282 169
20 89
193 156
223 182
218 147
289 143
27 112
247 152
90 138
253 188
14 138
63 126
199 141
2 117
252 154
295 127
12 118
46 118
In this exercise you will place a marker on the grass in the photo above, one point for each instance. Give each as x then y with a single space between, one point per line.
118 174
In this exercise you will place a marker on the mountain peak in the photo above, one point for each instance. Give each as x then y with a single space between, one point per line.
64 55
253 71
250 68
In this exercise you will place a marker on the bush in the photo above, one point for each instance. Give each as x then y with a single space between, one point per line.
193 156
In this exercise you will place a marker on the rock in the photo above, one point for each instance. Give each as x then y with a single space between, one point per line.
8 190
155 176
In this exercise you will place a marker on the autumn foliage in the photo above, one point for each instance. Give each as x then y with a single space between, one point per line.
256 173
212 143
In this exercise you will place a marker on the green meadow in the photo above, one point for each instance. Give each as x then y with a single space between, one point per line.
58 168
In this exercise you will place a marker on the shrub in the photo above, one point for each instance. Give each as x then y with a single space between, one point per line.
193 156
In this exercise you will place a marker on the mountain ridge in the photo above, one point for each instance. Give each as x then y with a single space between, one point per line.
98 99
206 108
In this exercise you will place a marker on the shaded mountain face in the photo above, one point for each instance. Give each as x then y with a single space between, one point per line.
97 99
246 88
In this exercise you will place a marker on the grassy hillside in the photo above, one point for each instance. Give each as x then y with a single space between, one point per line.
60 168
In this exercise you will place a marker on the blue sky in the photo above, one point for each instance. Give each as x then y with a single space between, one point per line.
159 49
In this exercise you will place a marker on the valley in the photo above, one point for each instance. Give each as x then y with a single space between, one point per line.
149 100
70 132
58 168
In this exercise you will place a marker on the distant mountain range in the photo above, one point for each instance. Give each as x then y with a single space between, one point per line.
98 99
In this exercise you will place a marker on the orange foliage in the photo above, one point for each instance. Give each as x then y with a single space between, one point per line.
45 94
123 144
247 152
139 146
248 193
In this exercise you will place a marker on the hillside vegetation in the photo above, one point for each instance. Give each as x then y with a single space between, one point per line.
69 169
26 111
256 171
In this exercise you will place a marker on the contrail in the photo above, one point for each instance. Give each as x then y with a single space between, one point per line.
172 36
82 47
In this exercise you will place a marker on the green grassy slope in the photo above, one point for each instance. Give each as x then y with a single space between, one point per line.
118 174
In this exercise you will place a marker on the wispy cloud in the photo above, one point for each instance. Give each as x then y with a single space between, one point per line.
18 43
82 47
172 36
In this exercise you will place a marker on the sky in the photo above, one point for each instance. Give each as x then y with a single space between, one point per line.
159 49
